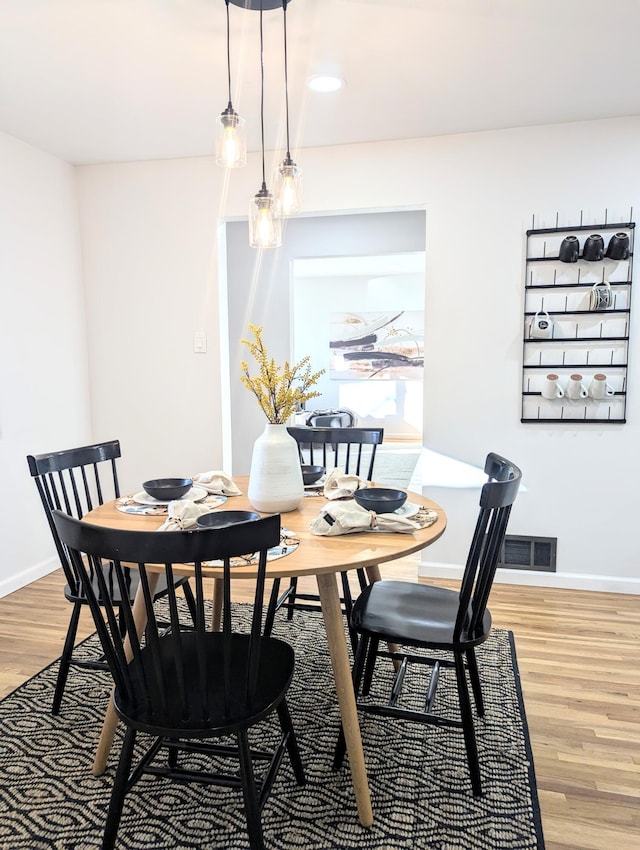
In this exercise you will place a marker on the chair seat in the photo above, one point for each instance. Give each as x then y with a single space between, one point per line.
416 614
183 708
134 580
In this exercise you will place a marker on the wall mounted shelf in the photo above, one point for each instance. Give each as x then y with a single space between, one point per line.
581 340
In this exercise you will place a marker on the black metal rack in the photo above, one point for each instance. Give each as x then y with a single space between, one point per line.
582 340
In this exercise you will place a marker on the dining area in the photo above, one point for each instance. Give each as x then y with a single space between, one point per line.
183 544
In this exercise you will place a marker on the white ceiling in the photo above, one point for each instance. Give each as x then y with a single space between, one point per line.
116 80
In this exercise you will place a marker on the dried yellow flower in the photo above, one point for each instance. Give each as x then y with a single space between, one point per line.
280 390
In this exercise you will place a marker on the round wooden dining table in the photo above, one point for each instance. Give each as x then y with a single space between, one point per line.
319 556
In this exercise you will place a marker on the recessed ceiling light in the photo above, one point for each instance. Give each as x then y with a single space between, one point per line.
325 83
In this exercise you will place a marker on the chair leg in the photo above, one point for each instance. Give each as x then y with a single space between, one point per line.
292 597
472 668
362 578
65 658
292 742
251 806
467 726
119 789
190 600
370 665
348 607
272 607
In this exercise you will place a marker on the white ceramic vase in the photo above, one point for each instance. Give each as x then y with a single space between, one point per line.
275 480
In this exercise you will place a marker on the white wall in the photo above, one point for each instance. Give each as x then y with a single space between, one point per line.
150 254
44 399
149 240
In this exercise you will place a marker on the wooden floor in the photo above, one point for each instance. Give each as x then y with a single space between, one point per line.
578 656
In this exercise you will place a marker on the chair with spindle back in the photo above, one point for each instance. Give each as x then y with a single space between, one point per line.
352 450
427 618
187 687
75 481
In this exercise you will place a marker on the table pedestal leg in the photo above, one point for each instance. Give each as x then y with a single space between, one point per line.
110 723
216 611
373 574
336 639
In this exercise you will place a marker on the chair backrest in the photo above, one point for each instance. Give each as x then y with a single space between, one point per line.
155 683
75 481
340 418
496 498
340 447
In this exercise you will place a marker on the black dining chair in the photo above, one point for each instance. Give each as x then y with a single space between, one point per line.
75 481
187 687
354 451
425 617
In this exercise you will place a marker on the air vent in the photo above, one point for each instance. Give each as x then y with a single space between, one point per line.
529 553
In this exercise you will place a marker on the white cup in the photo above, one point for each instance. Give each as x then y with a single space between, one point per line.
551 388
575 388
541 326
599 388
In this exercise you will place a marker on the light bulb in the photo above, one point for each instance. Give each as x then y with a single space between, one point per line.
230 146
288 196
264 228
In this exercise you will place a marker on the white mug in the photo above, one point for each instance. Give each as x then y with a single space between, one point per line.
551 388
541 326
575 388
599 388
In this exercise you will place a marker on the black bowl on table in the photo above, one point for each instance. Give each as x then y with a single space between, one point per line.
311 474
382 500
223 519
167 489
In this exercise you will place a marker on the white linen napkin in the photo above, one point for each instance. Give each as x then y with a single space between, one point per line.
183 514
340 485
216 482
348 517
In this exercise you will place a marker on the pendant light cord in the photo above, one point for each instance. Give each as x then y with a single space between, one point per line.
286 75
264 184
228 55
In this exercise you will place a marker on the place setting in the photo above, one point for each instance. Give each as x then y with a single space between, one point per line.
354 505
204 492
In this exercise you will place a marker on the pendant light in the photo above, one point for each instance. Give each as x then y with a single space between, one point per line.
231 139
288 177
265 226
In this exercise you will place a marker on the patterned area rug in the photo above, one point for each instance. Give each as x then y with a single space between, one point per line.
420 785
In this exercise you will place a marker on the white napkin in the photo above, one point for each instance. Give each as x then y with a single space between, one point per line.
340 485
183 514
347 517
216 482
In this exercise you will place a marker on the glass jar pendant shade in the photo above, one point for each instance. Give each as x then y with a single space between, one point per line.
265 223
231 139
287 186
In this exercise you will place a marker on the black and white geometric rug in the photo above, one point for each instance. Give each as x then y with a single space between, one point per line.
420 788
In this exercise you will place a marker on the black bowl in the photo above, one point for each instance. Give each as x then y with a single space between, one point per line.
382 500
311 474
167 489
223 519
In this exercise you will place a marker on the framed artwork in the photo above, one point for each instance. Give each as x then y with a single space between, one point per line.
377 346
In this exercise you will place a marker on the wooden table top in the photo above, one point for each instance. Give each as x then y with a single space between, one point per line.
315 554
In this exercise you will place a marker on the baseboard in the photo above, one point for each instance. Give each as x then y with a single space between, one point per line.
535 578
15 582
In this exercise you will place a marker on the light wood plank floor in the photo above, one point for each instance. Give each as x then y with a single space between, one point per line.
578 656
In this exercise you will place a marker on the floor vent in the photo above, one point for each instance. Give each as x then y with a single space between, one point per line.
529 553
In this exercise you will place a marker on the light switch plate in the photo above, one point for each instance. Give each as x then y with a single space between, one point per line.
200 342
